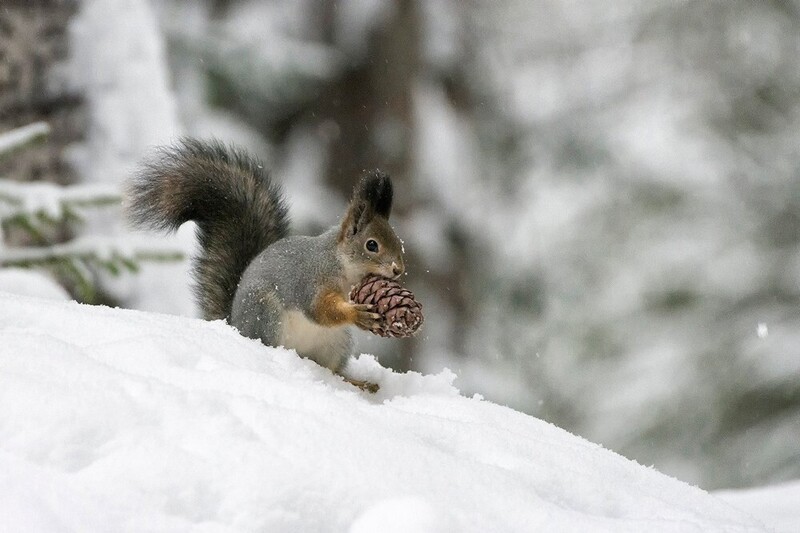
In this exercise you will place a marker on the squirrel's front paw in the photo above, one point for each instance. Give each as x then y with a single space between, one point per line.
366 317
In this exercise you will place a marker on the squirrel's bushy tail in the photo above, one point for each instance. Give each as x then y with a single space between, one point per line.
239 211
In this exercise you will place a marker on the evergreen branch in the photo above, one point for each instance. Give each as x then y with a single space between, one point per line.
105 254
19 138
9 199
81 276
51 203
27 224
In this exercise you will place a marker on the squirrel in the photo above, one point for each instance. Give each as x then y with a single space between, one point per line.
289 291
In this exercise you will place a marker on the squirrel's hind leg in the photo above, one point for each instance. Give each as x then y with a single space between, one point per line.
257 314
363 384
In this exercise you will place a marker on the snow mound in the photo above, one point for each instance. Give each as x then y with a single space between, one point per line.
775 505
27 282
117 420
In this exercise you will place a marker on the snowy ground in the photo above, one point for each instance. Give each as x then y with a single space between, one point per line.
117 420
778 506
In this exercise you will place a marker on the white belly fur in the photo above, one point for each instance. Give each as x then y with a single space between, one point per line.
327 346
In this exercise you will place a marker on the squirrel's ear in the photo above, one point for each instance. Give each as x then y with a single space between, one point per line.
375 188
371 197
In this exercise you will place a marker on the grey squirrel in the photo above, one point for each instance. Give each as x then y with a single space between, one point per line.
289 291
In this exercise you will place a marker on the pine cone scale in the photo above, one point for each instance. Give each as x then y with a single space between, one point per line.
401 314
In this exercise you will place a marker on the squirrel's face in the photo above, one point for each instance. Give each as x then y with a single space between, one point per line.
380 249
366 239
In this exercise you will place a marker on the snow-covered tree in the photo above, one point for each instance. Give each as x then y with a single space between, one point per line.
44 218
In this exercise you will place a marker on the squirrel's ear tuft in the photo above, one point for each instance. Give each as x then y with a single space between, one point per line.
372 197
375 190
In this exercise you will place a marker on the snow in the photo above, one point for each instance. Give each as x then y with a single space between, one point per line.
120 67
94 247
52 200
29 283
19 137
399 515
775 505
120 420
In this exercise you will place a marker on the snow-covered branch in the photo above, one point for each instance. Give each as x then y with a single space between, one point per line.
35 207
80 259
107 253
52 202
46 212
21 137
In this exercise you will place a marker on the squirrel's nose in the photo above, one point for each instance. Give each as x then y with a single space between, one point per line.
396 269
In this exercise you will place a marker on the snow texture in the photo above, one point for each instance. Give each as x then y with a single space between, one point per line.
19 137
136 248
50 199
119 420
775 505
29 283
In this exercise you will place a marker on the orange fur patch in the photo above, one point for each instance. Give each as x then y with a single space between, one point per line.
331 309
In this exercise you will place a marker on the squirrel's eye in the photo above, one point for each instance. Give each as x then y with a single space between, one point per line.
372 245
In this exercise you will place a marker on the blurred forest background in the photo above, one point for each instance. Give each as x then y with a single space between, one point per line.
600 200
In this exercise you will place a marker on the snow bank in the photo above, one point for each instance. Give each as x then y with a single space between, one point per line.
777 505
117 420
28 282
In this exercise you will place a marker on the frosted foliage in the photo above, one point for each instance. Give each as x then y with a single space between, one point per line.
51 200
635 193
144 422
18 137
119 64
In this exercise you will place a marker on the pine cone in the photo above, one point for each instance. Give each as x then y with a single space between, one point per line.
401 314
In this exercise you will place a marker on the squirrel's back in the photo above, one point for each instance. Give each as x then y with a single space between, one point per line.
239 211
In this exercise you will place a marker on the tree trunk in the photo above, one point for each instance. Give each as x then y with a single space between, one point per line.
34 86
